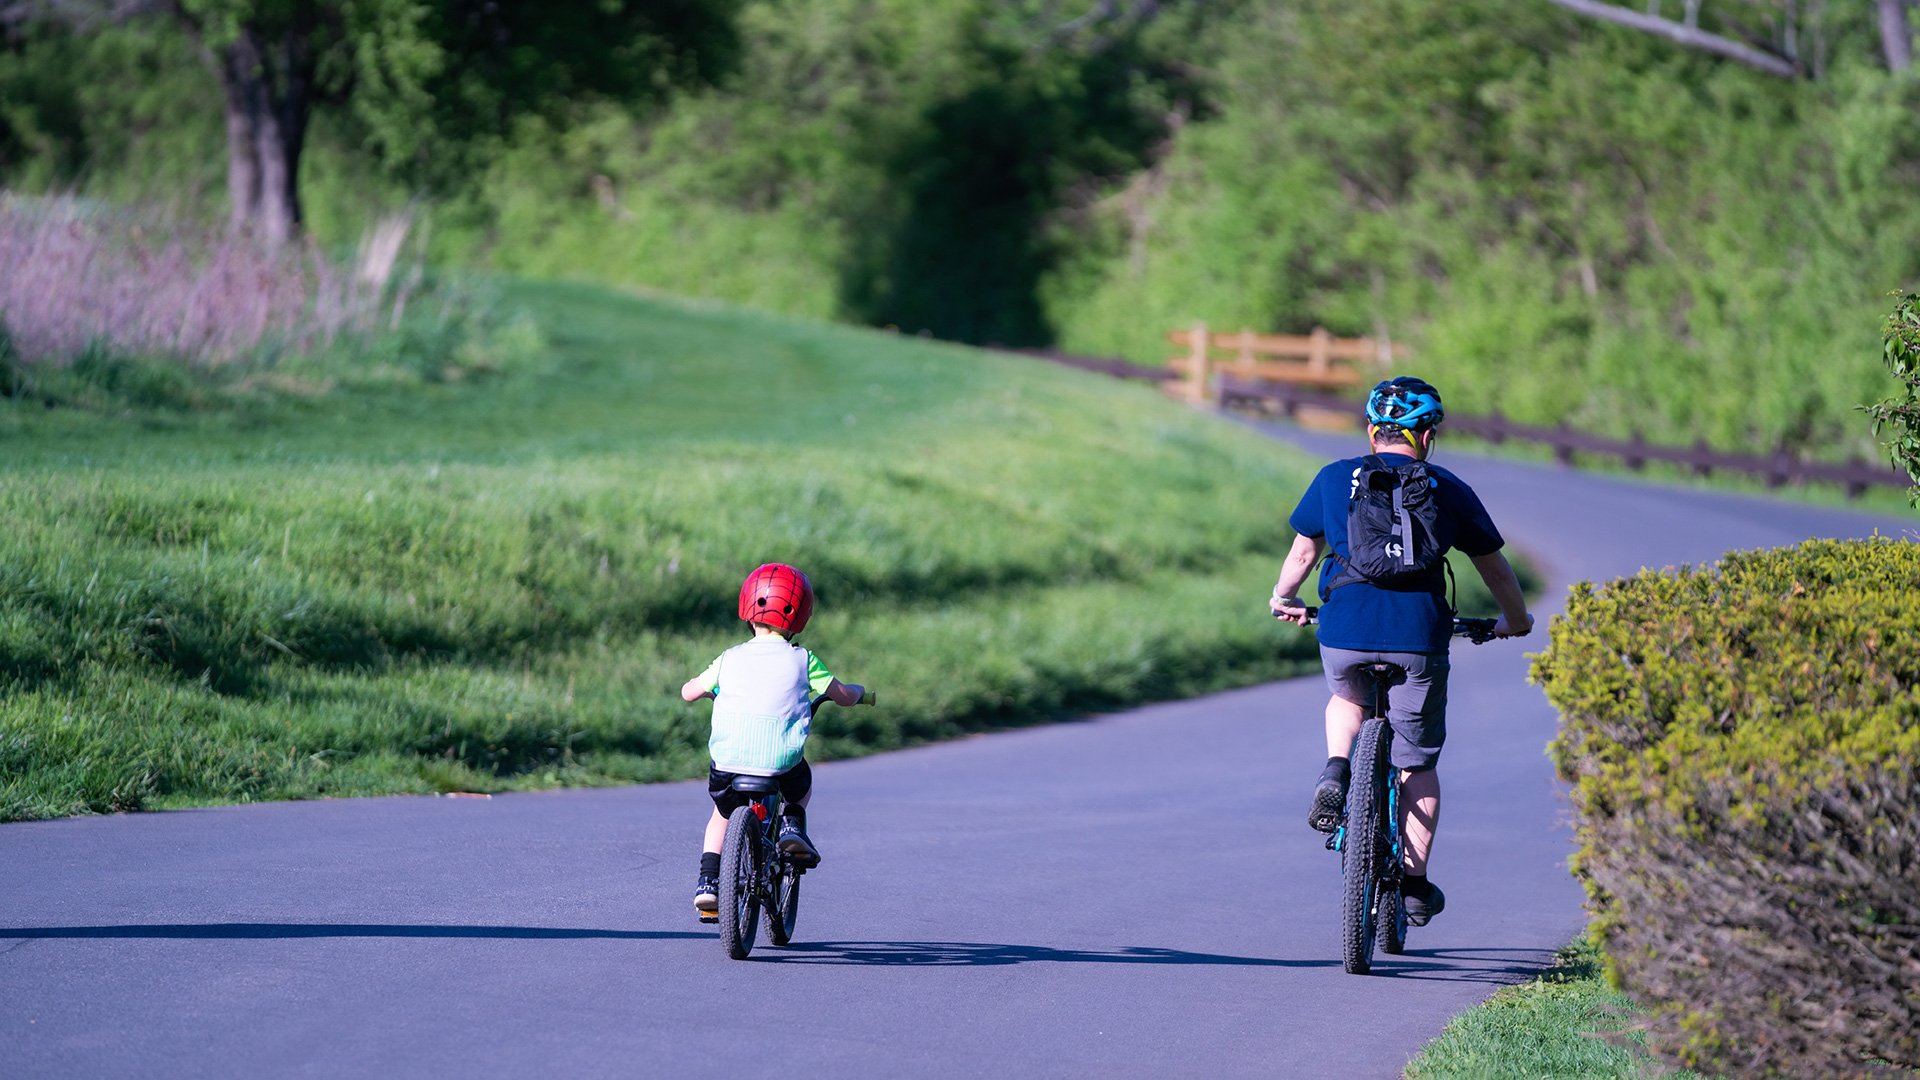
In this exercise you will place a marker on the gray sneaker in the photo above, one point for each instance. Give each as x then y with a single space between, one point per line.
706 896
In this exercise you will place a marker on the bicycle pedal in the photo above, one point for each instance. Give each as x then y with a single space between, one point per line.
709 918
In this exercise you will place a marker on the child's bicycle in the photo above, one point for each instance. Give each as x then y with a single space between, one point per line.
755 875
1372 908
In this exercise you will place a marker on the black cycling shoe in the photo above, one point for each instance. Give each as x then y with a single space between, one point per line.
1329 807
706 898
1422 908
793 843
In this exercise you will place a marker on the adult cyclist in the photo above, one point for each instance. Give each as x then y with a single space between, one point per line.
1405 623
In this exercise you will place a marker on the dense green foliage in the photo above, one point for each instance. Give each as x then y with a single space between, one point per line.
1745 747
1901 413
501 582
1569 221
1567 1024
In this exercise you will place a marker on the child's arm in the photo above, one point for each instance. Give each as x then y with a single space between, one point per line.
845 695
704 685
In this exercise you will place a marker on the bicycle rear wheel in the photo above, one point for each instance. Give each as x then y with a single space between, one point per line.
739 883
785 909
1391 916
1366 804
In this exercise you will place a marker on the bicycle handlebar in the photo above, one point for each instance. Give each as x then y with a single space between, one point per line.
1478 631
867 697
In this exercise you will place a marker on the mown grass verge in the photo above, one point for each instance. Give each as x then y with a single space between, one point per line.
500 584
1566 1024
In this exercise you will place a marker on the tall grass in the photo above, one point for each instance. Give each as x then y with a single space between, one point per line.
82 275
125 309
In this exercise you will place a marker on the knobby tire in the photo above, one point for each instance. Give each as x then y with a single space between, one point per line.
1392 921
785 910
1366 813
739 875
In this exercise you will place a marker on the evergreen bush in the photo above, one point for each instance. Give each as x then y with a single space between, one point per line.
1742 741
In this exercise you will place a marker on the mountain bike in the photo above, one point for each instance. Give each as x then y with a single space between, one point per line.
1373 910
756 877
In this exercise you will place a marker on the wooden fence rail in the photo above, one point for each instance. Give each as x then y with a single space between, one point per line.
1302 359
1776 470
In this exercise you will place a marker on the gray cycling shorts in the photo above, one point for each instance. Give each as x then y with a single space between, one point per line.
1416 702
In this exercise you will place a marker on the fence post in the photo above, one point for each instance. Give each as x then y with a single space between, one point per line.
1197 364
1319 351
1563 445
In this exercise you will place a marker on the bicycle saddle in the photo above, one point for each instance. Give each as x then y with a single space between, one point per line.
755 785
1384 670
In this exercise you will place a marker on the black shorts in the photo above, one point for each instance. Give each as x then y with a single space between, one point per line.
794 785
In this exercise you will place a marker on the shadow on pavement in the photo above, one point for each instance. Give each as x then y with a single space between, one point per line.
973 954
1503 967
330 930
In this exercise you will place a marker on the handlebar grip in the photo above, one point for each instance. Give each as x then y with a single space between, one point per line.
868 697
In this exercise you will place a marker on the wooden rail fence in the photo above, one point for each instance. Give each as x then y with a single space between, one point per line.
1299 360
1776 469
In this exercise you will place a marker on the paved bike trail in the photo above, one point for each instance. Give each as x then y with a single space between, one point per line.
1132 895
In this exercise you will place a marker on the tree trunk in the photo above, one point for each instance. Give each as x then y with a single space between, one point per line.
238 63
269 100
1896 37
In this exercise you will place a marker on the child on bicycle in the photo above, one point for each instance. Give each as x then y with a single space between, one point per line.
762 711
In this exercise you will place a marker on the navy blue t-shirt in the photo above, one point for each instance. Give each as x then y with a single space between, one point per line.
1366 617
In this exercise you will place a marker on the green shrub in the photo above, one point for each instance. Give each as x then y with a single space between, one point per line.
1902 412
1742 740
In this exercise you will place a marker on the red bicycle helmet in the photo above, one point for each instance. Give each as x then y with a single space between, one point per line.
777 595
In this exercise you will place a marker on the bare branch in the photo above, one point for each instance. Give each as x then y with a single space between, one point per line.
1690 36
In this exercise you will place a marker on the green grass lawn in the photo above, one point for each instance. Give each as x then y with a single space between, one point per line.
1567 1024
501 581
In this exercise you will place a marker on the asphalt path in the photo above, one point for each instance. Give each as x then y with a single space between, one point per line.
1132 895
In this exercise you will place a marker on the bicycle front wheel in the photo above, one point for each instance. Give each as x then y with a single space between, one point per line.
1366 814
740 883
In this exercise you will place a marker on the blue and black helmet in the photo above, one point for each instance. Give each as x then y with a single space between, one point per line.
1405 402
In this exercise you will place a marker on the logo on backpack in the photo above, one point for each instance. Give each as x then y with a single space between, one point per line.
1392 527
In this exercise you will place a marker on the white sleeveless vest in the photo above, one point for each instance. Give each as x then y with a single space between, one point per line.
761 711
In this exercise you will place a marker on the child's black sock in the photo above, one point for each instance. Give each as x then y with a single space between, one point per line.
797 813
710 863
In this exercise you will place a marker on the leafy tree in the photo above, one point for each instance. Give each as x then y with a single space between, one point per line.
1901 413
422 80
970 194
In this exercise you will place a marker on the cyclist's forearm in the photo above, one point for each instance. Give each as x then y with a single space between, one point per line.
1300 562
1504 585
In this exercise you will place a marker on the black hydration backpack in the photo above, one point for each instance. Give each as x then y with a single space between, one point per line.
1392 538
